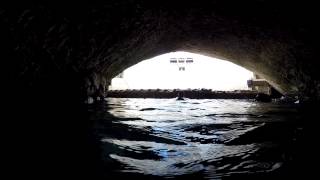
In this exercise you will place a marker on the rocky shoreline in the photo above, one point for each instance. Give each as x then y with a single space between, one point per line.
190 93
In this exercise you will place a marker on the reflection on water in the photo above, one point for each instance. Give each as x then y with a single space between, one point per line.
165 138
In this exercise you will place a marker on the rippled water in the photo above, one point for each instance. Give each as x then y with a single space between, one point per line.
210 139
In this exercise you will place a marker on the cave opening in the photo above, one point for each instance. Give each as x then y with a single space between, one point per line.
58 55
183 70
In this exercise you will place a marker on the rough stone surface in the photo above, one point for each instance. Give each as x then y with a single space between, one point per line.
98 40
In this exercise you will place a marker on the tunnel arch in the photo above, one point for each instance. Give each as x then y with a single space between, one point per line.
94 41
281 85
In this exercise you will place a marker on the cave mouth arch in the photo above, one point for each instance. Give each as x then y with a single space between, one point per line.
183 70
264 68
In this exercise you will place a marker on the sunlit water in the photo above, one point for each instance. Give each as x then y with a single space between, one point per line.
209 139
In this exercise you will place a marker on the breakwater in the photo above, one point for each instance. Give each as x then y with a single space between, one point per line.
192 94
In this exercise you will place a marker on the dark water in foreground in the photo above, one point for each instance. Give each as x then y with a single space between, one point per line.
197 139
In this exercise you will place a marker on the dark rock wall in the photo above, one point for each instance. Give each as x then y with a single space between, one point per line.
98 40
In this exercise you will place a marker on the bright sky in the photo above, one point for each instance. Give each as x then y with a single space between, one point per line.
204 72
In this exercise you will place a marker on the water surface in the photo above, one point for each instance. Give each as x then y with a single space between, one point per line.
201 139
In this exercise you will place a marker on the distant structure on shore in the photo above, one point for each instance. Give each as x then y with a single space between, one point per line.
259 84
262 86
181 62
